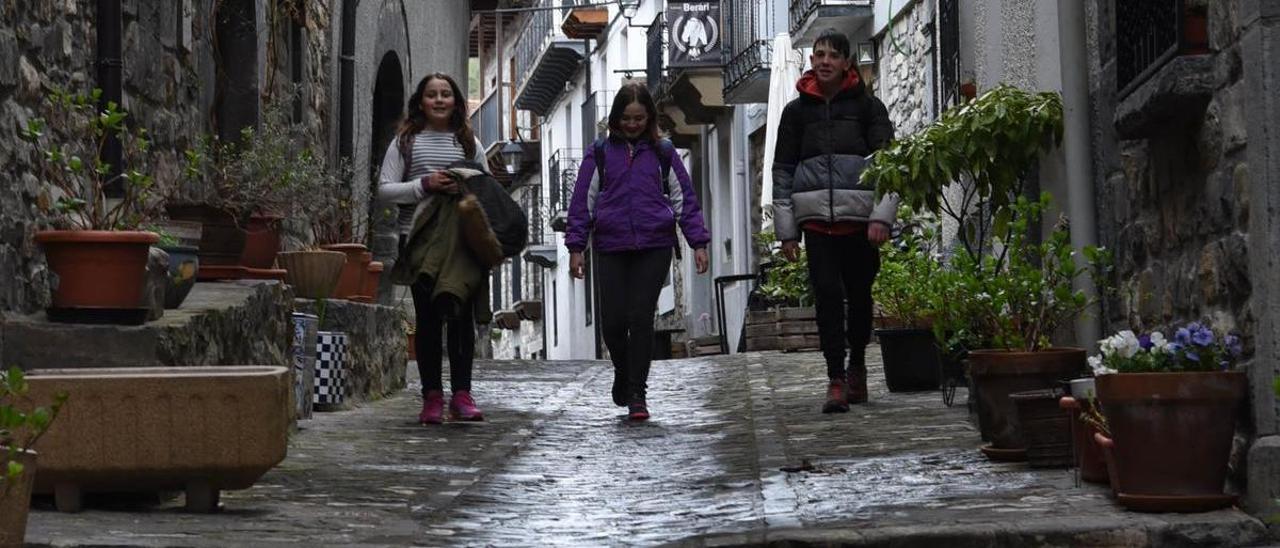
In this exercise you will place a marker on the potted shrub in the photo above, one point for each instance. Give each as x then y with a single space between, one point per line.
1170 408
21 425
1005 298
95 246
905 291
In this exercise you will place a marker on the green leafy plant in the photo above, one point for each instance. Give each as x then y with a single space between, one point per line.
21 423
67 142
786 282
906 287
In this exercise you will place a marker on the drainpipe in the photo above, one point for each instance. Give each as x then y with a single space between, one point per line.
109 69
346 142
1078 154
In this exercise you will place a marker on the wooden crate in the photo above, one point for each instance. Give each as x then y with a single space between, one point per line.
798 343
757 344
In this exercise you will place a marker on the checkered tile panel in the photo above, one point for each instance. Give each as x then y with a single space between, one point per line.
331 362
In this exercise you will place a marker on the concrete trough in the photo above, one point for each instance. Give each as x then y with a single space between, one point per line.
195 429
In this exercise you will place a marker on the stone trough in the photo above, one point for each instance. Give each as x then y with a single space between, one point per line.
195 429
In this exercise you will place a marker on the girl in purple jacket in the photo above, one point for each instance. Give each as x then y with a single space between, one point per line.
629 218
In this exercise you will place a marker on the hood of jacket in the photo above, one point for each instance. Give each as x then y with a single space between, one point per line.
808 85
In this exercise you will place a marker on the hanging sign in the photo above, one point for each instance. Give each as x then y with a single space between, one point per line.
695 35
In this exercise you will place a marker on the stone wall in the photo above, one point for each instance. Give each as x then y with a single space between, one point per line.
906 66
378 353
1174 204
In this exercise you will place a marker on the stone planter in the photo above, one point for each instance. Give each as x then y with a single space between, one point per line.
184 263
101 274
1171 437
305 329
145 429
331 370
313 274
999 373
15 500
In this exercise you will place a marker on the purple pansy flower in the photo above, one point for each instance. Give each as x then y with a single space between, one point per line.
1182 336
1144 342
1202 336
1234 345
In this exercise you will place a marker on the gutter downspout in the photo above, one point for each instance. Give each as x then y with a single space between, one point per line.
110 66
1078 153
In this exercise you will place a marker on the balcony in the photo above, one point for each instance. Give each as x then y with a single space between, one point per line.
486 121
1164 68
563 173
595 117
541 250
810 17
749 49
545 60
585 20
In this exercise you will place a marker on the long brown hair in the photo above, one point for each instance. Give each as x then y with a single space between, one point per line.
634 92
416 120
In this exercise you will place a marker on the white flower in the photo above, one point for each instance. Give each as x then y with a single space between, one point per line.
1158 343
1095 363
1128 345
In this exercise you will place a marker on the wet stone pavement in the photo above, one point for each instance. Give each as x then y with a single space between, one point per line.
737 455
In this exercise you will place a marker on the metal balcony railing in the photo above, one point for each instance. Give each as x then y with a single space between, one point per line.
486 121
563 168
538 31
656 56
748 49
948 54
755 57
534 208
1147 36
595 116
801 10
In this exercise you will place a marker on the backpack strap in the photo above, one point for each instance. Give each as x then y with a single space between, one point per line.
597 151
406 152
666 151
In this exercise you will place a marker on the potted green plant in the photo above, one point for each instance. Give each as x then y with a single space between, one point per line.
21 425
1170 408
905 290
94 247
1005 300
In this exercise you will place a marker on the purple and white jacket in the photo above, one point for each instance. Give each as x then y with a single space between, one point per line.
630 210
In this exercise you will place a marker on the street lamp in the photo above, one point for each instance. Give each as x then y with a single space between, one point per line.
512 156
629 8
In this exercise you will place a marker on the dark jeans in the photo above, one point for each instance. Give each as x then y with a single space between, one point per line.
430 324
630 282
840 268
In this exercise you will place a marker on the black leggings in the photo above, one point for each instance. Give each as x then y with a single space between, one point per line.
841 270
462 340
630 282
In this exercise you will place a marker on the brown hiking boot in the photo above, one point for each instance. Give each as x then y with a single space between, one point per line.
857 386
836 398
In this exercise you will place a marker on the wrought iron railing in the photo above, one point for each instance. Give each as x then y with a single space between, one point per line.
656 55
486 121
538 31
564 173
533 206
802 9
747 47
595 116
948 54
755 57
1147 36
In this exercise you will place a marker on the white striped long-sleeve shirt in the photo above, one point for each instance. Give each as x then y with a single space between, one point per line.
432 151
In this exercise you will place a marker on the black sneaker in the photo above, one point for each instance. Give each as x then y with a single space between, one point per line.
619 387
637 411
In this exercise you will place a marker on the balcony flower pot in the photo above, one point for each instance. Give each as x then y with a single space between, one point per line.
999 373
910 359
313 274
184 263
15 499
351 281
98 271
1171 436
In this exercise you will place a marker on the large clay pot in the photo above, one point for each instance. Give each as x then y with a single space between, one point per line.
999 373
262 241
15 500
313 274
1171 435
97 269
221 239
373 275
352 280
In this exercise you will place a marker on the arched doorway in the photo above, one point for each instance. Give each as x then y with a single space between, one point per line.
388 105
236 106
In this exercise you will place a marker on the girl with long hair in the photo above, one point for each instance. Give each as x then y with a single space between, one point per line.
435 133
627 207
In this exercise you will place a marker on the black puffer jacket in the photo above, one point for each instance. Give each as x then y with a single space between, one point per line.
821 152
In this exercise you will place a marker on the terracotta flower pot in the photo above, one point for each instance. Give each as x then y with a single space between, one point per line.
313 274
351 281
1088 455
413 347
999 373
15 500
373 275
262 241
97 269
1172 436
221 240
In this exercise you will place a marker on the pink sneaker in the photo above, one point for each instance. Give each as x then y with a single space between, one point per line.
463 408
432 408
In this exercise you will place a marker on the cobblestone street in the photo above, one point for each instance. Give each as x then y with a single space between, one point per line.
737 454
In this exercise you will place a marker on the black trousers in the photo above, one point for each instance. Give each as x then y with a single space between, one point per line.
630 282
430 328
841 270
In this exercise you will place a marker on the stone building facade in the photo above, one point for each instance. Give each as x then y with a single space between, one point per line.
195 67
